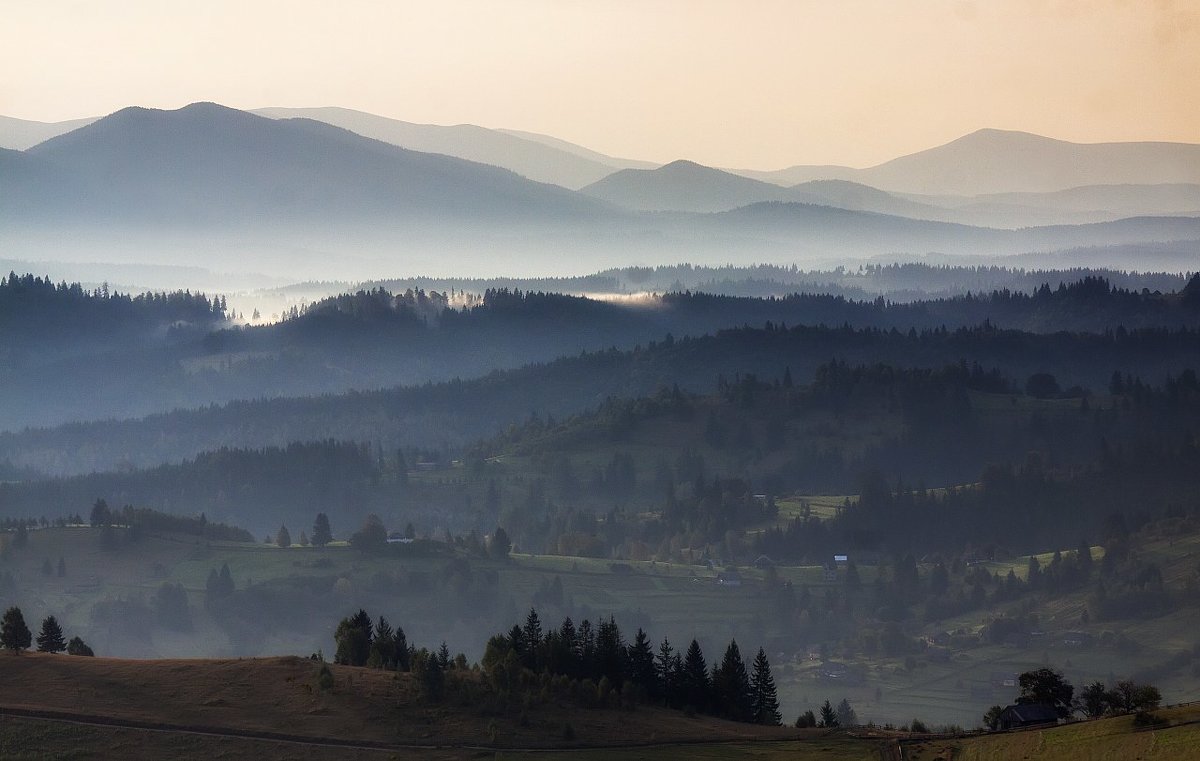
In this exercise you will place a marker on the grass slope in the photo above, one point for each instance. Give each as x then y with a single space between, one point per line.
269 708
1113 739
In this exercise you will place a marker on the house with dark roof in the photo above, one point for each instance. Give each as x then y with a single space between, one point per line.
1027 715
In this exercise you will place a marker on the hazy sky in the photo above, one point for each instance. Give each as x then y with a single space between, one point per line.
747 83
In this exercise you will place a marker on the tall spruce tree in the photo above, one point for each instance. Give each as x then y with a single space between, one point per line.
668 672
641 664
694 685
610 652
322 533
764 704
531 637
383 646
731 685
828 716
50 638
14 634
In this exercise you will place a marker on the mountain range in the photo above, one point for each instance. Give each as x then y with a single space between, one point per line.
1006 161
983 163
311 199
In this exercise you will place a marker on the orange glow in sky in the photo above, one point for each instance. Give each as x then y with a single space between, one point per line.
749 83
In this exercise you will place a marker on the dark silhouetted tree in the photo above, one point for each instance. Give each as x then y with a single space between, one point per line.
764 703
322 534
101 515
50 638
828 716
694 684
1046 686
846 715
78 647
353 639
372 537
731 685
14 634
641 664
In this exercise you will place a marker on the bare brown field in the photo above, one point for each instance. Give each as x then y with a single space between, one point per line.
276 698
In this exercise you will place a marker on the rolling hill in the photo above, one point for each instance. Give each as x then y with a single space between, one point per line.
275 699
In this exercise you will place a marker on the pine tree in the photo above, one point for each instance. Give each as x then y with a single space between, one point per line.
828 716
403 655
694 685
764 704
383 646
667 668
531 638
731 685
14 634
846 716
641 664
283 538
501 545
610 652
78 647
50 638
353 637
322 533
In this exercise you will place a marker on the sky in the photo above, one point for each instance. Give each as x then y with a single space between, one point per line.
748 84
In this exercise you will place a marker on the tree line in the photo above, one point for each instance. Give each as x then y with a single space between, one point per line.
15 636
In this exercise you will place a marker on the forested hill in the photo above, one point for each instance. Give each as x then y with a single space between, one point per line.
376 339
696 462
40 320
898 282
454 413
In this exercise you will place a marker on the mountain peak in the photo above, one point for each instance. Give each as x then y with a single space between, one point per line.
684 165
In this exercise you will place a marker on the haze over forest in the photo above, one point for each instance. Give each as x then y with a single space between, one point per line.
539 415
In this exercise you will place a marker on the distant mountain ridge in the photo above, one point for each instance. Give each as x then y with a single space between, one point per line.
537 157
20 134
687 186
1007 161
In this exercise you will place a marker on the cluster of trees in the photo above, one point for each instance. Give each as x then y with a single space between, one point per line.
899 282
378 645
15 635
1047 686
843 715
634 670
34 307
148 519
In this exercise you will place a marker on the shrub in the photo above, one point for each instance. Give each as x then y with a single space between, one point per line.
324 678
